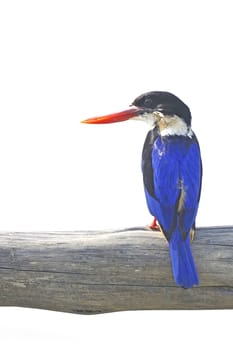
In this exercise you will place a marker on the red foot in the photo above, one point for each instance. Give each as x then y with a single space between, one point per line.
154 225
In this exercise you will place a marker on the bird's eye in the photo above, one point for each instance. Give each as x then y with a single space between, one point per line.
148 102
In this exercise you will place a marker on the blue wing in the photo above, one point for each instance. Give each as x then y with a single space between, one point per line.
175 178
177 171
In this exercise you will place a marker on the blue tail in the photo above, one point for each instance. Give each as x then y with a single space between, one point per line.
183 266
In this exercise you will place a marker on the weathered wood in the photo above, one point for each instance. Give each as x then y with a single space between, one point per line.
94 272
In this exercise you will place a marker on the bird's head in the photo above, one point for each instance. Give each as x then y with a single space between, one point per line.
160 109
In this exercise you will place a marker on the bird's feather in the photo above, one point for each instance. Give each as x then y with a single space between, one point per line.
176 171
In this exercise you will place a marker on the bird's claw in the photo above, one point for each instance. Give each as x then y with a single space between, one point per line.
154 225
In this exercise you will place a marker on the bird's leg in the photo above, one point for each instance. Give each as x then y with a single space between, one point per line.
154 225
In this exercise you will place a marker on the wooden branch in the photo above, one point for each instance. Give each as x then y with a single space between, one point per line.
95 272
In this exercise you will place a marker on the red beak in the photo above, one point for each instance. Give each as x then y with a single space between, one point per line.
114 118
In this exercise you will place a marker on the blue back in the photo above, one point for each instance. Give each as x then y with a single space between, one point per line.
175 163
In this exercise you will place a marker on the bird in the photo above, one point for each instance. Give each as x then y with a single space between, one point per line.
172 174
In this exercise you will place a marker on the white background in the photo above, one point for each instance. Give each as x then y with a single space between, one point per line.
64 61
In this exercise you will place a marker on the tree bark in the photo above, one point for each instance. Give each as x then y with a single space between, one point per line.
96 272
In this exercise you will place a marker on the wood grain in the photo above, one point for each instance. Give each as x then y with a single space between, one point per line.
96 272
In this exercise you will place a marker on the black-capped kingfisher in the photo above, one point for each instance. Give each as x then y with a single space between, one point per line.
172 174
